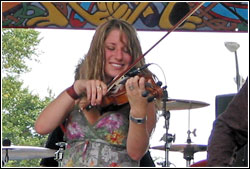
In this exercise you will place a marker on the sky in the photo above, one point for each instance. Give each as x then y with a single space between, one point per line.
196 67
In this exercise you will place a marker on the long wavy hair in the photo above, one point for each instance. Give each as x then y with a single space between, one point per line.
94 64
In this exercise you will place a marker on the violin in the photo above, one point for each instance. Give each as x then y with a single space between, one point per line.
153 91
119 97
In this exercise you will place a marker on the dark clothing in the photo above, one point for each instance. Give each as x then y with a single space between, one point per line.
230 131
57 136
147 160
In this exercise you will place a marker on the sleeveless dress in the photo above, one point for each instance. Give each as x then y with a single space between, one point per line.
102 144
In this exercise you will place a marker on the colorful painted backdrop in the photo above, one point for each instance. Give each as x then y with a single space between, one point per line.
212 16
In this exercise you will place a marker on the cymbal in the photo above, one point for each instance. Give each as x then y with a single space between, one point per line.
177 104
27 152
183 147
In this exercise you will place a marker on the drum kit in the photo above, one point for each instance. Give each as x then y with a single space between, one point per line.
11 152
187 149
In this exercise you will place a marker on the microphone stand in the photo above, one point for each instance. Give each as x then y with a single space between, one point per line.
169 137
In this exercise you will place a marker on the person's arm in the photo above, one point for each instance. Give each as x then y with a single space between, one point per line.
230 130
220 146
54 114
139 134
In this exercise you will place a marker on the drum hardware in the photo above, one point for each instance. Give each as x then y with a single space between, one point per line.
190 132
6 142
163 163
181 147
168 137
26 152
178 104
6 158
174 104
188 149
168 140
59 153
188 153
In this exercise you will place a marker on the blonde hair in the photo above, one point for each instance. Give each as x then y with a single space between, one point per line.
94 64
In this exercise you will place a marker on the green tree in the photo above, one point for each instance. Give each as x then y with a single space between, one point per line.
18 46
20 107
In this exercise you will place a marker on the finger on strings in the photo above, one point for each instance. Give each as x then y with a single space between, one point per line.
93 92
104 88
88 91
99 92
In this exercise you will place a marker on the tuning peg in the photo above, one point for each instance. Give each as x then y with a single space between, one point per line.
159 83
145 93
150 98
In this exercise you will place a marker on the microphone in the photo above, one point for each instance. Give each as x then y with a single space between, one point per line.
134 72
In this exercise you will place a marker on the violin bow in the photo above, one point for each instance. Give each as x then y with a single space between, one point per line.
116 79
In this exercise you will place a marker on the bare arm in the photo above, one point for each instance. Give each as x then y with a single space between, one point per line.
54 114
139 134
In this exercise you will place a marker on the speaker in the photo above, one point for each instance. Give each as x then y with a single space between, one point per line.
221 102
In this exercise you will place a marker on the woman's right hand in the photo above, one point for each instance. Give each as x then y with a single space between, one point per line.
94 89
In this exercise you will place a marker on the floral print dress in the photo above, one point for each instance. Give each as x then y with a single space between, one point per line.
102 144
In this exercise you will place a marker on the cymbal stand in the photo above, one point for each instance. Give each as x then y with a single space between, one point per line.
188 154
6 158
188 150
169 137
6 142
59 153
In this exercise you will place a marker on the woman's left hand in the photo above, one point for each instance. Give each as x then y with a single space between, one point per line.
134 88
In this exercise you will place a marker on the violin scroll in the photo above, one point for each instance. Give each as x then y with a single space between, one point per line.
153 89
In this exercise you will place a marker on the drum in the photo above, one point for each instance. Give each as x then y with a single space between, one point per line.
202 163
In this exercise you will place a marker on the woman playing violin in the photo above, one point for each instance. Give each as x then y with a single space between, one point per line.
116 135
